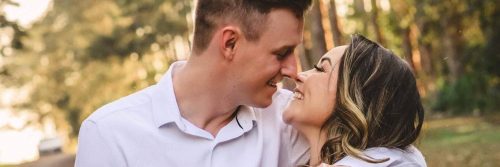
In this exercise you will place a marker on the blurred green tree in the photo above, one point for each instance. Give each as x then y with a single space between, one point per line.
84 54
10 38
460 34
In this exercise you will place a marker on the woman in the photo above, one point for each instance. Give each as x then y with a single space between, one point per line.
359 106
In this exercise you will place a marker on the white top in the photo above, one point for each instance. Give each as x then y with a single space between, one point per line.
411 157
145 129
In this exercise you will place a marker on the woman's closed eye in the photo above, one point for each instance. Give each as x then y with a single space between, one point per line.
318 68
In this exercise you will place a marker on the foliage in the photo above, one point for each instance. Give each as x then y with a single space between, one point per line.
478 87
84 54
17 31
469 93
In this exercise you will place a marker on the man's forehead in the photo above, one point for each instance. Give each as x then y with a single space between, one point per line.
283 41
283 28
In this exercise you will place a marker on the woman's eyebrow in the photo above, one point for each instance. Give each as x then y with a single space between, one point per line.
325 58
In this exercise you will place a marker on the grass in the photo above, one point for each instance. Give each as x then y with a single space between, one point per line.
462 141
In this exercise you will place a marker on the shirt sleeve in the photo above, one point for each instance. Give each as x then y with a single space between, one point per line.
93 150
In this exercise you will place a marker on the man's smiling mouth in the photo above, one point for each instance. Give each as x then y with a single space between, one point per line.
272 83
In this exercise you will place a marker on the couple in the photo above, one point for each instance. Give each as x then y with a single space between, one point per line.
222 107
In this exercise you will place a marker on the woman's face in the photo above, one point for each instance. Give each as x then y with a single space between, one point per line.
315 93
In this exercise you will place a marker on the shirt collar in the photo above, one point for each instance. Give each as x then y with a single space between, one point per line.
246 118
165 108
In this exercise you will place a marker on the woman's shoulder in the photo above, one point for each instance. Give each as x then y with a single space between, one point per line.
410 156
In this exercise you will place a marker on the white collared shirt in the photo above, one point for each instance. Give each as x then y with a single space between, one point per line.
145 129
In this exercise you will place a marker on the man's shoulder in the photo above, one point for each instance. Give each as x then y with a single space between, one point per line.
139 100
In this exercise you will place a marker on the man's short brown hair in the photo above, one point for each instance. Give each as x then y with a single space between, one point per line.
249 14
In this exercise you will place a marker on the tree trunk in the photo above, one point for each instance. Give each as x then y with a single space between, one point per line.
360 12
304 50
451 42
304 58
407 48
426 60
317 33
334 23
374 22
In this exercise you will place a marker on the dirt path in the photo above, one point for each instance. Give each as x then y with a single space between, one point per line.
54 160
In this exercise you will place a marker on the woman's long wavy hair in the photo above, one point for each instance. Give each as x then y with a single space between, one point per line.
377 105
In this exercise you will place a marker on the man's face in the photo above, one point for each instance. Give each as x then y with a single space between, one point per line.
260 65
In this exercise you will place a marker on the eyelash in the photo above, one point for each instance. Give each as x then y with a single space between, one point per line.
320 69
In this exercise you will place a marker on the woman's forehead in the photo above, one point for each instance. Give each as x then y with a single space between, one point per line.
335 53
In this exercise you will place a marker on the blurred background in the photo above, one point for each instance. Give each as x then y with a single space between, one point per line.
62 59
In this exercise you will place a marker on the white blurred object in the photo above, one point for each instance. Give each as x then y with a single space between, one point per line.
50 145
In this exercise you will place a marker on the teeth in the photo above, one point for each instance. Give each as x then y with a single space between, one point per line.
298 95
271 83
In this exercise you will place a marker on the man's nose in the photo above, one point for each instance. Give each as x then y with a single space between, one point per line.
289 67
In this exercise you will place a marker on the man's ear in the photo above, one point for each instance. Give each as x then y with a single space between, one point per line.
230 39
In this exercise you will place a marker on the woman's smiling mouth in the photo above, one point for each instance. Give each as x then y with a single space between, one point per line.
297 94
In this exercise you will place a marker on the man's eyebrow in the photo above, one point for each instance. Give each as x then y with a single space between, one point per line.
325 58
285 47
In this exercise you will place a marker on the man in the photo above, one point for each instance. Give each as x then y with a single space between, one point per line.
220 108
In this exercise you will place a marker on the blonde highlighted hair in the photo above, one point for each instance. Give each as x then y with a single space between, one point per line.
377 104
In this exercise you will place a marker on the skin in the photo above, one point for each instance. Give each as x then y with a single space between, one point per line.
314 100
234 71
270 59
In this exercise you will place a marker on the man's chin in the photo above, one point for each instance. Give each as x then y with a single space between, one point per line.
264 98
263 103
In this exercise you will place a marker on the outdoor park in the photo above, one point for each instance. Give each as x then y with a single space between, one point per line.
60 60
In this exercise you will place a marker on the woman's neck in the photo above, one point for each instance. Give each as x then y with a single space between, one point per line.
316 138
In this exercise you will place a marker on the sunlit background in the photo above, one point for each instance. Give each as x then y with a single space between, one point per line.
62 59
18 138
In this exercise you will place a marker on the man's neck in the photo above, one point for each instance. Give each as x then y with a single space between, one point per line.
202 99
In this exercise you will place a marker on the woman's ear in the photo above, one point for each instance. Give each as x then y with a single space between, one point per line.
230 39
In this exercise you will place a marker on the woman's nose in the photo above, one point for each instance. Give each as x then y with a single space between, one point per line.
302 76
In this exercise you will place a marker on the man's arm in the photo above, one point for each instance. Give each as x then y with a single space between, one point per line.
93 150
